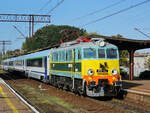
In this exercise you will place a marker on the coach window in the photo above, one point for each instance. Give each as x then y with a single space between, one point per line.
23 62
11 63
34 62
6 63
19 63
101 53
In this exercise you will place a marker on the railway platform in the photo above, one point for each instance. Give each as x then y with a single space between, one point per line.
10 102
138 90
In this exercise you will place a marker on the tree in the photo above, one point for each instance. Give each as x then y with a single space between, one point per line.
90 34
148 63
124 55
51 35
118 36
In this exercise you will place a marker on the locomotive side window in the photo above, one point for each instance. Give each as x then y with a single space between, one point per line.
69 55
34 62
62 55
111 53
101 53
55 57
79 54
89 53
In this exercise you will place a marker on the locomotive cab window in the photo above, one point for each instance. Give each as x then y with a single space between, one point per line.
89 53
101 53
111 53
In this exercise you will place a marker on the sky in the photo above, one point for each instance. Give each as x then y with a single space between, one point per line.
75 13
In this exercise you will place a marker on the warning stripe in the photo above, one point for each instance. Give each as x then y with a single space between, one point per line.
8 101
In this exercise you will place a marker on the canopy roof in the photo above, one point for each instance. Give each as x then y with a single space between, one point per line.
124 43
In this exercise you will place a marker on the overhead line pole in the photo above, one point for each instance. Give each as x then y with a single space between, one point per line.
5 42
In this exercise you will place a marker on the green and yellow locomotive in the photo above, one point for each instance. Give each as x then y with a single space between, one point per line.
87 66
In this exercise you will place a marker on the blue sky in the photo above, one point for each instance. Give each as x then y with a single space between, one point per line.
68 12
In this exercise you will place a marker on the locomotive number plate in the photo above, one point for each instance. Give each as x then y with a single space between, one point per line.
102 70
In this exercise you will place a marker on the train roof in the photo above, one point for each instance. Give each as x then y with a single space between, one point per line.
38 54
81 42
31 55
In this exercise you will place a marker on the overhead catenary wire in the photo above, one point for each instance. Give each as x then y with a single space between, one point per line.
115 13
145 28
45 5
19 31
100 10
55 6
142 33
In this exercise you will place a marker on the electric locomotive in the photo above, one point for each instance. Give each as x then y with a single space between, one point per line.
87 66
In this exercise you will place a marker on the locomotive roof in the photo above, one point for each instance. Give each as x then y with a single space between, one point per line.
85 44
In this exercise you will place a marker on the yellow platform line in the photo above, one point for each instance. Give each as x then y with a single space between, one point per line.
141 89
8 101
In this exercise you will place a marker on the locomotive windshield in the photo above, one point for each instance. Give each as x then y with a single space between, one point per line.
101 53
89 53
110 53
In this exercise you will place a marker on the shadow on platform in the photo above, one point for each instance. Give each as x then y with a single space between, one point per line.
145 75
128 85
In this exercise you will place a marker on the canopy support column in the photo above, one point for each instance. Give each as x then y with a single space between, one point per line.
131 62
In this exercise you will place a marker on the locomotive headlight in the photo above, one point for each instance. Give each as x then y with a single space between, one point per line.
114 71
90 72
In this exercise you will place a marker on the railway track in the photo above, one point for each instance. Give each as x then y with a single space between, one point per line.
122 106
28 100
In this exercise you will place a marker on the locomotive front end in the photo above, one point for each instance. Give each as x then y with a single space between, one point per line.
100 70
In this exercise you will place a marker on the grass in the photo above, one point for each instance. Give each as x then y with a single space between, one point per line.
37 96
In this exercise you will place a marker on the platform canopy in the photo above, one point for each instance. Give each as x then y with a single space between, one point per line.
126 44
